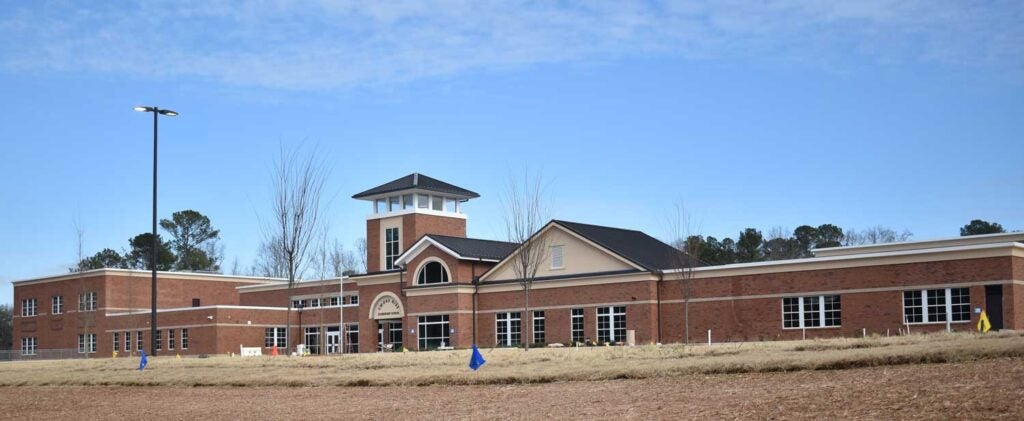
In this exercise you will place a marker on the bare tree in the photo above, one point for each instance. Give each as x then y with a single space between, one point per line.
524 215
875 235
342 262
298 183
85 315
269 260
361 249
688 243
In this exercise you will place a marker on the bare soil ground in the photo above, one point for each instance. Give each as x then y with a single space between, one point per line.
984 389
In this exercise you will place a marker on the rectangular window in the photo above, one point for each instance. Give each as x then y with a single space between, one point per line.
507 329
335 301
138 341
170 339
449 204
380 206
390 248
87 301
422 201
433 332
314 302
184 338
159 340
813 311
407 201
87 343
57 304
935 305
353 300
576 327
117 341
127 341
538 327
611 324
28 307
28 345
437 203
394 204
557 258
274 336
195 302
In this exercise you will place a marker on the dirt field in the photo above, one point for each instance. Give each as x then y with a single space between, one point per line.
989 389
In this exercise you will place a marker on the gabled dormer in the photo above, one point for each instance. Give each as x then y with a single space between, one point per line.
404 210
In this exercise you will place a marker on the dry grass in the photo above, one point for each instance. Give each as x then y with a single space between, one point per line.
514 366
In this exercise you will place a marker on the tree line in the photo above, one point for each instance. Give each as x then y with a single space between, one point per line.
192 247
751 245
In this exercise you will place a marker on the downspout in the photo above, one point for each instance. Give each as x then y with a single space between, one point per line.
476 289
661 277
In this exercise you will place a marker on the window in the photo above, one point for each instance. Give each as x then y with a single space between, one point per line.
538 327
352 338
195 302
87 301
314 302
813 311
28 345
935 305
159 340
312 340
422 201
353 300
57 304
379 206
611 324
184 338
127 341
432 273
433 332
394 204
437 203
335 301
274 336
87 343
407 201
138 341
117 341
449 204
390 248
507 329
170 339
28 307
577 325
298 303
557 258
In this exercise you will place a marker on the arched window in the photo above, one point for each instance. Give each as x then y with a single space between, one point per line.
432 273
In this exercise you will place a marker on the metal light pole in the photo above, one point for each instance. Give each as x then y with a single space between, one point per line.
153 255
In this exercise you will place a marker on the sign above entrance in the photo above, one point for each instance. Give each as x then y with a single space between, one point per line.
386 306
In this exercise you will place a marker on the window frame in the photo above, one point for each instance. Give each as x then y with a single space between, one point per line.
184 338
87 301
614 317
823 309
423 326
274 336
538 331
422 272
582 324
561 257
170 339
389 257
505 321
920 301
57 304
87 343
127 341
29 345
29 307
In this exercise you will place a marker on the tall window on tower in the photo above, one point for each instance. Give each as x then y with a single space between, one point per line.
390 248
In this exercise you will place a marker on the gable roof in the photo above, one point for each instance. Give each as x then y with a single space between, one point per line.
474 248
635 246
417 181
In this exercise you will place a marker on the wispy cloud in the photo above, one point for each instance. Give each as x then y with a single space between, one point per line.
338 45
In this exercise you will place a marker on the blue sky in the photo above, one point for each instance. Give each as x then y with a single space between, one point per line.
752 114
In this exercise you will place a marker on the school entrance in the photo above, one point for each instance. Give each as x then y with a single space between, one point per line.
387 313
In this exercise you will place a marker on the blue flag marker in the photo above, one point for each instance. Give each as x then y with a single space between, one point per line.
477 360
143 361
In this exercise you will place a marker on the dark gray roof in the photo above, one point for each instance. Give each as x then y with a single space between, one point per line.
417 181
475 248
635 246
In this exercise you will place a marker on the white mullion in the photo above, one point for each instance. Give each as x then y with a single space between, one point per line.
800 310
924 305
949 305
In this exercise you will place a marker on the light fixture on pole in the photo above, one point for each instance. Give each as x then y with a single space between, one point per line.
153 255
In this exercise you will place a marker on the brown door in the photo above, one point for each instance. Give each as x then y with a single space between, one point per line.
994 305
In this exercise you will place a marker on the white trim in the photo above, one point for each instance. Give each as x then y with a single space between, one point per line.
844 291
213 307
298 284
923 244
136 273
572 282
421 211
439 289
559 307
859 260
422 244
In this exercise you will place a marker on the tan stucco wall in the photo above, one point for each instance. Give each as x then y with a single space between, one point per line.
578 257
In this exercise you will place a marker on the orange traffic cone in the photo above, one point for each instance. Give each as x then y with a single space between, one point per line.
273 351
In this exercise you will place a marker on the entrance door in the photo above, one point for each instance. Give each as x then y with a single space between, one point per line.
389 335
994 305
333 336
